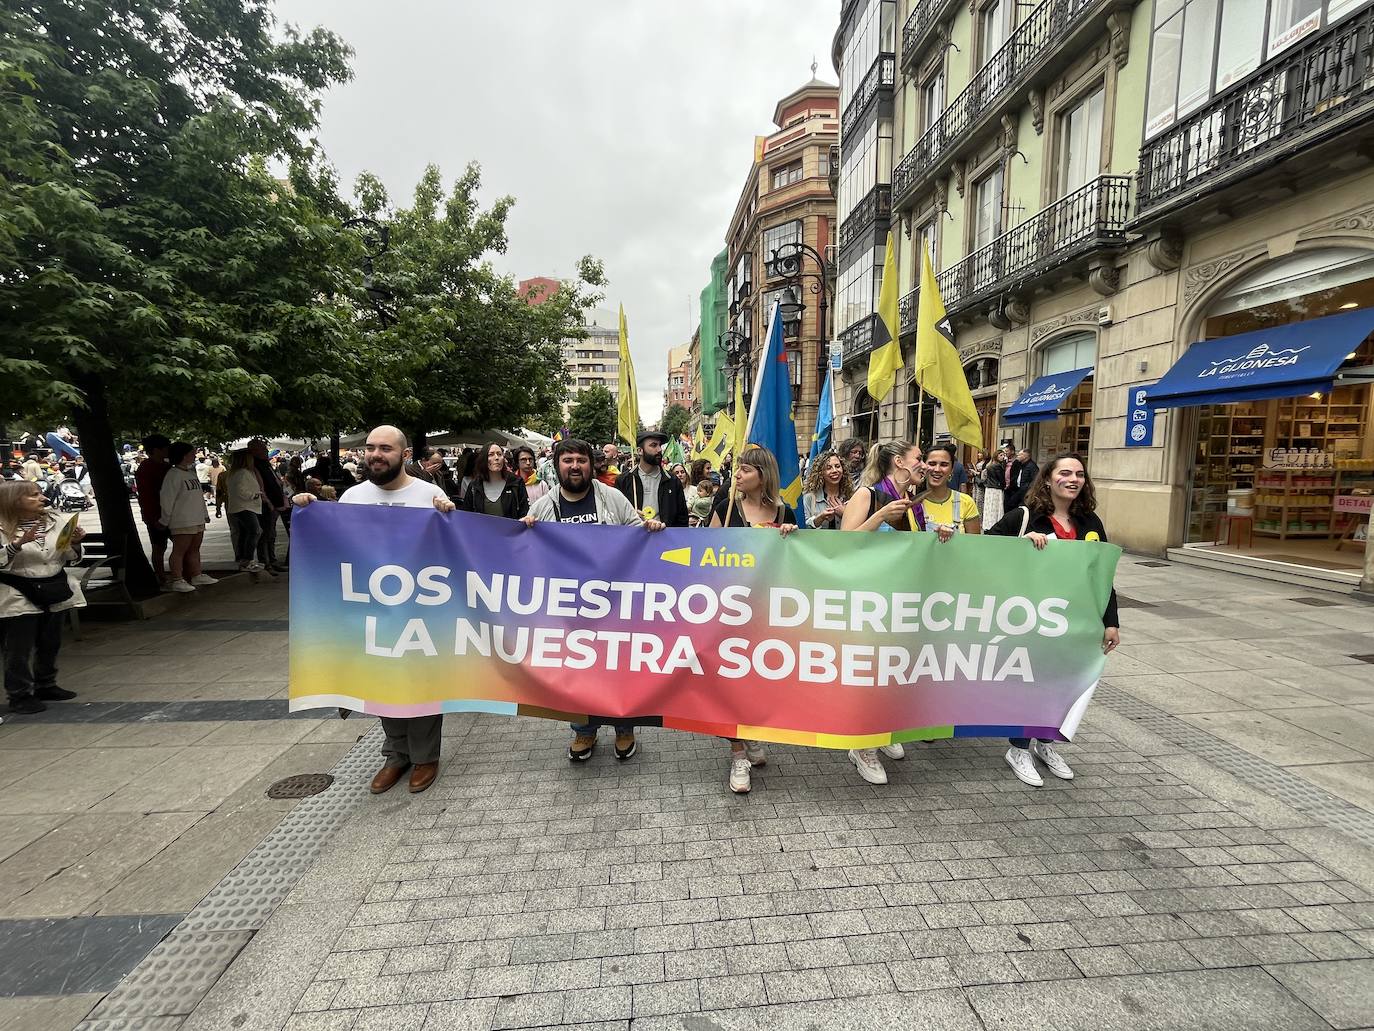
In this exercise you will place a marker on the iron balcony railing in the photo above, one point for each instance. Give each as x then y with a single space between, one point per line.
1030 44
906 310
923 18
879 77
875 205
857 340
1326 81
1091 217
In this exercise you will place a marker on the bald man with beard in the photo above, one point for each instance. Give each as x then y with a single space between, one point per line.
411 743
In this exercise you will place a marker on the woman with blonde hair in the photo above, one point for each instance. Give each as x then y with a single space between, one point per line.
755 500
243 492
828 488
35 589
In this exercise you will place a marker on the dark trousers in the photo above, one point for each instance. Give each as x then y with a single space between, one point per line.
413 739
267 543
592 726
30 644
244 530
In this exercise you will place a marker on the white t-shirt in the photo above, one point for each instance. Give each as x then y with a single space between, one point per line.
415 494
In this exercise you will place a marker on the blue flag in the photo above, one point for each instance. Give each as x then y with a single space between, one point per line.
770 418
825 421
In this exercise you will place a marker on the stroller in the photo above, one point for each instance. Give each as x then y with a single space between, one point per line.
70 497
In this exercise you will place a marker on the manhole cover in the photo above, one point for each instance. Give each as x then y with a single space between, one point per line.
302 785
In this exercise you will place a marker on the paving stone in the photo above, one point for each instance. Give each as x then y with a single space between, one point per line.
796 986
1054 965
1103 960
653 1000
860 981
1341 991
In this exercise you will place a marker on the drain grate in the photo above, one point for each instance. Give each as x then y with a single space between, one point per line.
302 785
1364 658
1154 565
1287 787
1316 603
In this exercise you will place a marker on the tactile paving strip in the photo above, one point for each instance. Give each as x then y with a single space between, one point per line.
175 976
1287 787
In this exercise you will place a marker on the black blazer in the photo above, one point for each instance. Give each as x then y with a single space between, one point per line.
670 507
1022 476
515 500
1010 526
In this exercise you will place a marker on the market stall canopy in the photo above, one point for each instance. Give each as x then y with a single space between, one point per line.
449 438
273 443
1044 397
1283 361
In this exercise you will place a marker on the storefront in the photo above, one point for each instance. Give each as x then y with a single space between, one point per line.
1277 396
1057 408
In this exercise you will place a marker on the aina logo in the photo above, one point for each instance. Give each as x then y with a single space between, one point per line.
1261 356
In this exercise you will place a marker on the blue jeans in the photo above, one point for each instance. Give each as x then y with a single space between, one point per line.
592 726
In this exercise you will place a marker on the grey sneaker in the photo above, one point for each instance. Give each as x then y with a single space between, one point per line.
739 773
1053 761
756 753
866 762
1021 763
893 751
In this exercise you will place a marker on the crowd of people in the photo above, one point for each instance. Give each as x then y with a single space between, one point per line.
892 486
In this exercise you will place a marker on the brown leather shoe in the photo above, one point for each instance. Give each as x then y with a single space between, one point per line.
422 776
387 778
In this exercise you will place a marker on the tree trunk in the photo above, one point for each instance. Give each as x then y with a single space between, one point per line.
111 495
418 440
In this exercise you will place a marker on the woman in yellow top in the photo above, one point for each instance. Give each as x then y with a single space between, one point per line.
946 511
755 499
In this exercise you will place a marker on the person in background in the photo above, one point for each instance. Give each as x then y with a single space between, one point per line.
243 494
527 469
207 485
680 471
273 505
980 463
994 479
496 491
958 479
182 512
1062 505
852 452
35 592
701 504
654 494
828 487
701 470
1020 477
582 499
757 503
148 486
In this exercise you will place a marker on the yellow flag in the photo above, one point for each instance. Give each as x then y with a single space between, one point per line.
938 369
698 442
886 356
722 438
627 405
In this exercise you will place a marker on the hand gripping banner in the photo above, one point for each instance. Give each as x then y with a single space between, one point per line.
840 640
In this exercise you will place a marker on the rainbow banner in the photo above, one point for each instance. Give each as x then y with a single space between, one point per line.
839 640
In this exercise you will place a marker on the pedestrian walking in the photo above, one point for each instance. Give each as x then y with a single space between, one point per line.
35 590
184 515
495 490
412 743
1020 475
243 495
656 494
581 498
828 489
753 499
273 505
148 477
976 484
1060 504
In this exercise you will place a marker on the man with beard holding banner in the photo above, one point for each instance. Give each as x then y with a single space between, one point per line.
656 496
412 743
580 498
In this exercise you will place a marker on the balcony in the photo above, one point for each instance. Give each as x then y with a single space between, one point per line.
1038 47
906 311
857 340
879 77
1090 219
923 18
875 205
1298 102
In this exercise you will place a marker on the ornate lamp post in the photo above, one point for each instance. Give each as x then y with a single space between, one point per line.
787 261
738 360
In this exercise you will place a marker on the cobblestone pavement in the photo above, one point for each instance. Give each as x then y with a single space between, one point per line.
1211 866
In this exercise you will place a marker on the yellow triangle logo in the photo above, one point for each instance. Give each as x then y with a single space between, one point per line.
678 556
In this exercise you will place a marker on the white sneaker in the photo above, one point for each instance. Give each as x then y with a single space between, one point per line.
1052 759
254 566
756 753
202 579
180 586
739 773
893 751
1021 763
865 760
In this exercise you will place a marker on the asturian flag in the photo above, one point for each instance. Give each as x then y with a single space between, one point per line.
770 419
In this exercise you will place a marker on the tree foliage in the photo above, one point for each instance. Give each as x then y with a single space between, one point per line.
593 416
465 348
675 420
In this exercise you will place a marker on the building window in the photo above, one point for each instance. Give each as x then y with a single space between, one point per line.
924 238
775 238
874 32
787 175
790 330
742 281
794 369
987 208
1075 351
823 162
994 27
867 162
856 290
932 100
1080 143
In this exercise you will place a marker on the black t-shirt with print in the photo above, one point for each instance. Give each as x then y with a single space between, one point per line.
581 511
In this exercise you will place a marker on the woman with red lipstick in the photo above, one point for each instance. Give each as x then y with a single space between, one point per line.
1060 504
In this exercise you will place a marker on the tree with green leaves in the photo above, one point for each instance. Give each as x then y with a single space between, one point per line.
153 273
675 420
593 416
466 350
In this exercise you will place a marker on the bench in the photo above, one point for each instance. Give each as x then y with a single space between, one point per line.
102 571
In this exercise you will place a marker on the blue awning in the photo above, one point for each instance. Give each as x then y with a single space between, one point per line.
1285 361
1042 400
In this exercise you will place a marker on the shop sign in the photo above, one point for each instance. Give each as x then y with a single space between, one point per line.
1361 503
1140 418
1298 458
836 357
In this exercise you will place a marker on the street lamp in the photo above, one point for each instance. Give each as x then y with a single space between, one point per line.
788 263
738 359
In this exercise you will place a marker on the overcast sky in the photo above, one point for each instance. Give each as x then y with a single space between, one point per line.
623 128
